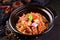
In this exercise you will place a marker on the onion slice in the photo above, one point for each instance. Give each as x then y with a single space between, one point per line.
34 24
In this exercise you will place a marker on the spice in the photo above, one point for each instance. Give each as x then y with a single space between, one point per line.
17 4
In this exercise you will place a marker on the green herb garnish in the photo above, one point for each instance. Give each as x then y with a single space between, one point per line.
30 17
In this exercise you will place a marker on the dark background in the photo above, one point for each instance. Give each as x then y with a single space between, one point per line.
54 34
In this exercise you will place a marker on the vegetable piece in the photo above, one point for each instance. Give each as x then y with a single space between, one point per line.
30 17
34 24
35 16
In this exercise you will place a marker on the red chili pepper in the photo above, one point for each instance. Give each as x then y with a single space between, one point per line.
4 6
7 9
34 16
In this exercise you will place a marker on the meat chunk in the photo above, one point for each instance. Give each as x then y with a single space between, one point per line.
34 30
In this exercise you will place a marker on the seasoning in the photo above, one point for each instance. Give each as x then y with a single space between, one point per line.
17 4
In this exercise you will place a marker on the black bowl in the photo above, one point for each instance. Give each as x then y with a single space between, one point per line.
31 8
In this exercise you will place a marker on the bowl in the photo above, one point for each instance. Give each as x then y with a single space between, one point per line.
46 12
